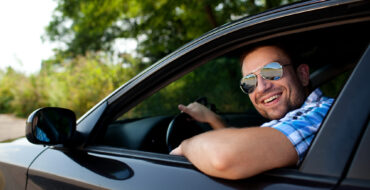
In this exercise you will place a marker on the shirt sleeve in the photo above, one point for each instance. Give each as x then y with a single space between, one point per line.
301 125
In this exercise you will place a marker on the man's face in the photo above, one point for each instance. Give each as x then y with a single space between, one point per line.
273 99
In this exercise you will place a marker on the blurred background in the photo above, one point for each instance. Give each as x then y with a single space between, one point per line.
72 53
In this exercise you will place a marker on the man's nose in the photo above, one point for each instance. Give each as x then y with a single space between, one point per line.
263 84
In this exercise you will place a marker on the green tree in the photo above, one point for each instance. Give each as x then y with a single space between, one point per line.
87 27
84 71
160 26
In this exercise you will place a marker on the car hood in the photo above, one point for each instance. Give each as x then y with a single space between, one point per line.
19 152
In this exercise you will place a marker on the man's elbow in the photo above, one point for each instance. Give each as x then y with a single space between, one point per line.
227 167
234 168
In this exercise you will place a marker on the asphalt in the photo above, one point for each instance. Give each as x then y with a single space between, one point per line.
11 127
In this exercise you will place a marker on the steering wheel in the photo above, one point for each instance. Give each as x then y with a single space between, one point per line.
183 126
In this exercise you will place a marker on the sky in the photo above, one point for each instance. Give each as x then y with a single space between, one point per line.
22 24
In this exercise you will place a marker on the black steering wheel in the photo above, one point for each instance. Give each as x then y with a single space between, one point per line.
183 126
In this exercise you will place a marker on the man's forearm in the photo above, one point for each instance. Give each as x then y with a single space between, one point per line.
238 153
217 122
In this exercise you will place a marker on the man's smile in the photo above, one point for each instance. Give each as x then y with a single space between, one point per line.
271 99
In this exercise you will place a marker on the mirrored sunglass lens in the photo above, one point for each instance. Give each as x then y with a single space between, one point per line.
272 71
248 83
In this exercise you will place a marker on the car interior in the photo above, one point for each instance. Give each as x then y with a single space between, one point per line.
156 125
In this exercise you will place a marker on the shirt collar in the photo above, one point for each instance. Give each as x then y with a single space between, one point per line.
315 96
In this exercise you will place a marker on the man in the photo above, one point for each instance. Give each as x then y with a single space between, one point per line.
279 91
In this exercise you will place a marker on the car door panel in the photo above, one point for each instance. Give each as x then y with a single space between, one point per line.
108 168
15 158
358 175
144 174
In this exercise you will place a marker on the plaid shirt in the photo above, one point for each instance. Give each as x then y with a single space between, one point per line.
301 125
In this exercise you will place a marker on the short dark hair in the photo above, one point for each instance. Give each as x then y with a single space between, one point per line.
288 50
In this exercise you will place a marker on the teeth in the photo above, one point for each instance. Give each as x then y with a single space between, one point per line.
271 99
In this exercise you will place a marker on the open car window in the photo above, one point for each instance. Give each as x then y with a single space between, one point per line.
217 80
144 127
331 53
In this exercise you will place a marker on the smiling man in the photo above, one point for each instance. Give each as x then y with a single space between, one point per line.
278 89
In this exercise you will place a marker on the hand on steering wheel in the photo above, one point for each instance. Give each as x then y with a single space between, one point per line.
183 127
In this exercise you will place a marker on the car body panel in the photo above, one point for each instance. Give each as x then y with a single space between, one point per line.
146 174
87 122
15 158
358 175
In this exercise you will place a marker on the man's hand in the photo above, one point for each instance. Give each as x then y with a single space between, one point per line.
177 151
203 114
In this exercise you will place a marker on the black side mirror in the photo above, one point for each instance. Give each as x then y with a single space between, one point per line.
51 126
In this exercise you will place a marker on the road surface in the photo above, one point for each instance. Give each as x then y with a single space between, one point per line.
11 127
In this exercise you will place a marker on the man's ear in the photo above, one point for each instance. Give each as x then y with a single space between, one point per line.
303 73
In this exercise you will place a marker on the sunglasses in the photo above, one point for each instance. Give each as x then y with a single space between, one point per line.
271 71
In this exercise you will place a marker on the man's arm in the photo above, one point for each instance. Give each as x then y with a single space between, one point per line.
234 153
238 153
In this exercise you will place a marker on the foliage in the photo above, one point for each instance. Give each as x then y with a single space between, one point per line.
77 84
333 87
8 80
83 70
161 26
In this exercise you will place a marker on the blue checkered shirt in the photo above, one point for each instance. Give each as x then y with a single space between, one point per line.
301 125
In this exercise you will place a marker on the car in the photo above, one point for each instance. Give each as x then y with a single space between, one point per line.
119 144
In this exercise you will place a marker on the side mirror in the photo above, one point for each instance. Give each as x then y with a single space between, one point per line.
51 126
